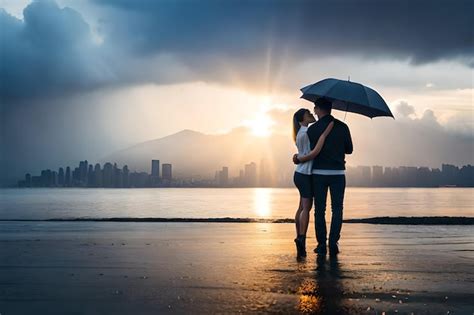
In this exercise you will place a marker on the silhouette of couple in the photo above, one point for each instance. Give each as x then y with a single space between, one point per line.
320 166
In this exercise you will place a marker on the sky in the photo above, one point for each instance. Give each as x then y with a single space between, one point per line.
83 78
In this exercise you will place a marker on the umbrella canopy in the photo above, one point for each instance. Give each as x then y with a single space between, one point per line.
348 96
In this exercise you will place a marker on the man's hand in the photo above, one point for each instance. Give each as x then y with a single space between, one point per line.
295 159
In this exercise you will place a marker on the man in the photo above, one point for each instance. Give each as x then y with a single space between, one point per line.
328 172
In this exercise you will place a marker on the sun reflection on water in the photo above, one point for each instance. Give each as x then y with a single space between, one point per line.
262 206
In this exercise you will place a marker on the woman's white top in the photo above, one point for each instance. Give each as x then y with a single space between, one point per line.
303 145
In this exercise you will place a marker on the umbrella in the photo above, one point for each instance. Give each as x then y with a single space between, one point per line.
348 96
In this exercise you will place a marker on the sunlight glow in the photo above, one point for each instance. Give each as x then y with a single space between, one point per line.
261 124
262 202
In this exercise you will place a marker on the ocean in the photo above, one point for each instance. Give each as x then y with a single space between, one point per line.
258 203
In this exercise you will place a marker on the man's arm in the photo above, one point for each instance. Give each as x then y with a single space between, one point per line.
319 145
348 148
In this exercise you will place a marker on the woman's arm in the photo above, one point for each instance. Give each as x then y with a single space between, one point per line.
319 145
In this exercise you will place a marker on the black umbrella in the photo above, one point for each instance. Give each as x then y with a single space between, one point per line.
348 96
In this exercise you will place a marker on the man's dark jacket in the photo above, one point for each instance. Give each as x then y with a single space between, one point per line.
338 143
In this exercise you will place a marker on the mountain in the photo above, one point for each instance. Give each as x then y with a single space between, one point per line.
194 154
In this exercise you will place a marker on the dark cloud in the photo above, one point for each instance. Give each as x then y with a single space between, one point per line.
421 30
52 51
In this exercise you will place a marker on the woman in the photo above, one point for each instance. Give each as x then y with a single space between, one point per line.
302 177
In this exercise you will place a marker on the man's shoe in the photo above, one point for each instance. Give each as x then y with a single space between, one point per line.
320 250
300 247
333 249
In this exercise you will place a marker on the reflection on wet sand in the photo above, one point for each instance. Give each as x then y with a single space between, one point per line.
323 293
204 268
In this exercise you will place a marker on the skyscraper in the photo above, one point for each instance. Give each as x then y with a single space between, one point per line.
82 175
126 177
166 171
222 177
251 174
98 176
155 173
90 176
61 177
377 175
107 175
67 177
155 168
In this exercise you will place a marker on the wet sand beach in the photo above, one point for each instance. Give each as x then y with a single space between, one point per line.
150 268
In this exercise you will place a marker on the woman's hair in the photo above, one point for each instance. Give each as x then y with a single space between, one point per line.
297 118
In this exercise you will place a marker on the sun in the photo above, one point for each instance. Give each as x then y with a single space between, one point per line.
260 126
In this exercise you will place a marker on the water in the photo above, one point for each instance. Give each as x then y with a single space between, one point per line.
273 203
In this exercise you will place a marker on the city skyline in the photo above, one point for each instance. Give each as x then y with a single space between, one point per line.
251 175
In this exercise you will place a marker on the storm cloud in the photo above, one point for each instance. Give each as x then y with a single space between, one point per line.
422 31
50 52
53 51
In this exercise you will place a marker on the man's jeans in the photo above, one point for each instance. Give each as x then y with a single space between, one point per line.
336 185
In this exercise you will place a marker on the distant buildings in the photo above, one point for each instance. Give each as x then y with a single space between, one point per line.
155 168
222 177
166 170
111 176
410 176
250 174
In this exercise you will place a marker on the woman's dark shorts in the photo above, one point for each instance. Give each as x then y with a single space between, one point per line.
304 183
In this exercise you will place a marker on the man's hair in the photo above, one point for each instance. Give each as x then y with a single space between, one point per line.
324 104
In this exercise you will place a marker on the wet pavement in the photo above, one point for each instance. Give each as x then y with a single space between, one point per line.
149 268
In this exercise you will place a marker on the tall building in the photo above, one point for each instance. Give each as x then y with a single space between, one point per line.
82 175
166 172
251 174
67 177
155 173
76 177
365 175
107 175
155 168
98 176
126 177
61 177
90 176
266 173
449 173
28 181
54 179
377 175
118 177
222 177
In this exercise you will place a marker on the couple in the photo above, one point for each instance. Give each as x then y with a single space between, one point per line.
320 166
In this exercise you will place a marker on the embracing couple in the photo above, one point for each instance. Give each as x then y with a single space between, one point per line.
320 167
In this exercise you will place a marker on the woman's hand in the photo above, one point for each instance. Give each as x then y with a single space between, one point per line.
295 159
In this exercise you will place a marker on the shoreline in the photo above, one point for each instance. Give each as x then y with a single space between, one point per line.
435 220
